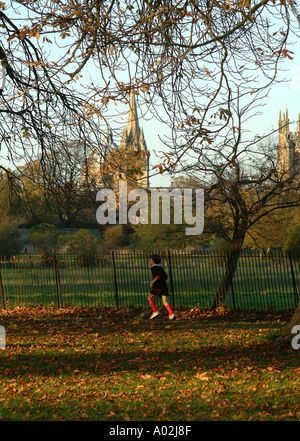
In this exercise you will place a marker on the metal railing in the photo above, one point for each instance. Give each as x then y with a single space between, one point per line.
121 279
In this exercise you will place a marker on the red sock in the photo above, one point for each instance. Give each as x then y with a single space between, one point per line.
169 309
152 304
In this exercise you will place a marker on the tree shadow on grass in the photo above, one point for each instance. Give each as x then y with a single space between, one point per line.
100 357
51 363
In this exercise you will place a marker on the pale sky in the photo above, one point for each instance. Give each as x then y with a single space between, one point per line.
281 97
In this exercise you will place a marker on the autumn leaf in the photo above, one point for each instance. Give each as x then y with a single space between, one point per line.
202 376
105 170
26 132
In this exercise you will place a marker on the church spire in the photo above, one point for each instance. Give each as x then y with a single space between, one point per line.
133 128
287 122
280 121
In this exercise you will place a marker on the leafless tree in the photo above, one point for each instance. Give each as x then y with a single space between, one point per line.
186 59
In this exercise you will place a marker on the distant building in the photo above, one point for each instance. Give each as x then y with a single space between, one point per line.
106 165
288 149
92 174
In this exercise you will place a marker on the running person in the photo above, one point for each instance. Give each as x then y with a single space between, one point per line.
158 287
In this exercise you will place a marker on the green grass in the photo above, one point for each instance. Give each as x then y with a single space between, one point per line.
116 365
258 284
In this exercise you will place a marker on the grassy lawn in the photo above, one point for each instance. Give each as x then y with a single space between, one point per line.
258 284
116 365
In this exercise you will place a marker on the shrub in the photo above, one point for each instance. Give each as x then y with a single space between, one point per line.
82 243
113 237
219 249
10 242
44 237
292 243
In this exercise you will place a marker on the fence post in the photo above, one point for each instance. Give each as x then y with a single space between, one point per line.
293 279
57 283
115 279
171 278
2 292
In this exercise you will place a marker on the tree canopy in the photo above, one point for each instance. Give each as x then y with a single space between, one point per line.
192 62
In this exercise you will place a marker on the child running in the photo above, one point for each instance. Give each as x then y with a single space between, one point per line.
158 287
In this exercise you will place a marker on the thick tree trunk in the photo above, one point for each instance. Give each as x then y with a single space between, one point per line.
232 261
286 335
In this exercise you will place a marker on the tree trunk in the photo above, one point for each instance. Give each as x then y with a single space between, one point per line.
232 261
286 335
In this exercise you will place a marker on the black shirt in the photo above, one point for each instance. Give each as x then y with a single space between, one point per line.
160 284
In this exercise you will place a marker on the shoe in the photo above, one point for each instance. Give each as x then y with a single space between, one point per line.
154 314
171 317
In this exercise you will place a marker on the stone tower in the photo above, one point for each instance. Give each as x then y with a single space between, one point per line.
288 149
129 161
133 145
92 174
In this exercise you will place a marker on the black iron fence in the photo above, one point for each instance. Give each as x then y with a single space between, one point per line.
121 279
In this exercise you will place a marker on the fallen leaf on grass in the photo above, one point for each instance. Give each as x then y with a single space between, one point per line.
202 376
146 376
